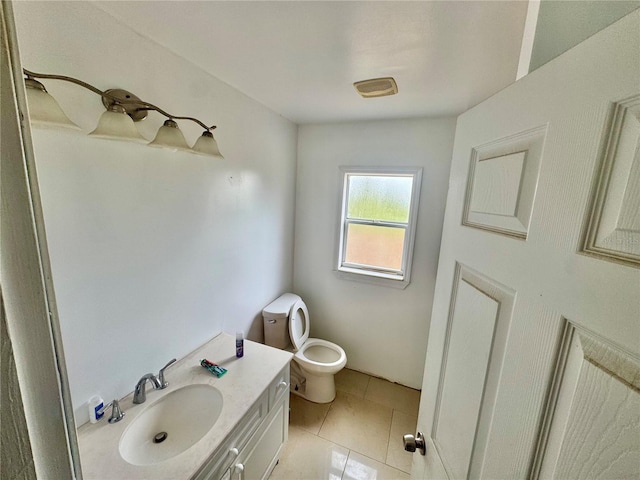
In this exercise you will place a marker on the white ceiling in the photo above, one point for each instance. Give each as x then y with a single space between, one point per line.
300 58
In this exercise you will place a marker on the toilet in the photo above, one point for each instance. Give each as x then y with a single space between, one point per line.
316 361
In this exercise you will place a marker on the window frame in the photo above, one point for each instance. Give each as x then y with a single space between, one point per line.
364 273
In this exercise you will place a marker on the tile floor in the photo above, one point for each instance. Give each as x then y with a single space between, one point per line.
356 437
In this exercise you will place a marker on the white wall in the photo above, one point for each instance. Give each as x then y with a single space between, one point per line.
382 329
563 24
153 252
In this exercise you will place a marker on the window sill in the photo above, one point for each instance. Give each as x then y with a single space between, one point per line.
372 279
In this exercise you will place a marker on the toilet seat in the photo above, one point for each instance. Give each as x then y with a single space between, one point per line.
313 354
298 324
321 356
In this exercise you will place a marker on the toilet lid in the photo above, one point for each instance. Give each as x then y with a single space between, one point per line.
299 324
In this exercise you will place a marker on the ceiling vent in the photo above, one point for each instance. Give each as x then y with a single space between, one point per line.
376 87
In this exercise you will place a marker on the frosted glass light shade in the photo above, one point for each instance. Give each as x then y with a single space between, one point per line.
169 136
207 145
44 111
114 124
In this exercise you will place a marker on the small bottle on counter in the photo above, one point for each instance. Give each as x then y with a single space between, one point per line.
95 405
239 345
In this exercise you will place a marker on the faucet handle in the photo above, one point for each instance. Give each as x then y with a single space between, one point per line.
161 380
116 412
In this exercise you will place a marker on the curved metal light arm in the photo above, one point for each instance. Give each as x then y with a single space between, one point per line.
149 106
121 101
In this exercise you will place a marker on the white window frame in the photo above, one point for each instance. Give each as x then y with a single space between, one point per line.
364 273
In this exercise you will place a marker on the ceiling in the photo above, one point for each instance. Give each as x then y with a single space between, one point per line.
300 58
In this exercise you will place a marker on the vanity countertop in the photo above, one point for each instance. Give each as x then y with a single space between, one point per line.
246 379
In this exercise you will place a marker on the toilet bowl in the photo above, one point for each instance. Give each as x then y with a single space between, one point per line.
286 326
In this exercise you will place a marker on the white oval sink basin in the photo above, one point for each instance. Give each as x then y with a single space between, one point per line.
184 415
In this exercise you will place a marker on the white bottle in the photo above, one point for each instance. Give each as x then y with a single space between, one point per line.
95 404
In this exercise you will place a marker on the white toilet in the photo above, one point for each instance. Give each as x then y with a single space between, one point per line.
286 326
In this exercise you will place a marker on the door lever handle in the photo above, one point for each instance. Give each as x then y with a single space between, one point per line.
411 443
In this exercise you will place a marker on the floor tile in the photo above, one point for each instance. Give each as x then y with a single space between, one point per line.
307 415
360 467
393 395
350 381
396 455
309 457
358 424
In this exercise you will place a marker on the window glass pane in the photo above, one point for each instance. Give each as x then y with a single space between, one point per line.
375 246
374 197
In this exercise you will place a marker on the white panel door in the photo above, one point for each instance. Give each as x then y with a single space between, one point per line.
533 362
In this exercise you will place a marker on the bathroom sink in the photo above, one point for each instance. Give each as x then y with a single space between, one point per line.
171 425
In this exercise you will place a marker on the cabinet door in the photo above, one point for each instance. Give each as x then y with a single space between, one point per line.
260 455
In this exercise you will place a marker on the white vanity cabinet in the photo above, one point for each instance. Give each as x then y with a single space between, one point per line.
245 441
252 450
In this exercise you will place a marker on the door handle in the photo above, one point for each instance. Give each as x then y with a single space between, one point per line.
412 443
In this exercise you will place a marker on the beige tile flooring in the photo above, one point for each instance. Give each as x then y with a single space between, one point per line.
356 437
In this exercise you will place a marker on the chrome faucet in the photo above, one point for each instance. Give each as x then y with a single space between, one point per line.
140 394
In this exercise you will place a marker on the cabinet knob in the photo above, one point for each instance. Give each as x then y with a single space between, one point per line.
240 469
282 385
234 451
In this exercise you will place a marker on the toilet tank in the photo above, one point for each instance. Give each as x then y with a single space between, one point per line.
276 320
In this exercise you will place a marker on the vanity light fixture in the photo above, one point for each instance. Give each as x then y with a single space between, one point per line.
117 122
43 108
207 145
169 136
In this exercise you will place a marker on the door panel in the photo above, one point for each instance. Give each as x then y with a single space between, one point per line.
533 182
473 322
503 176
614 226
479 320
594 405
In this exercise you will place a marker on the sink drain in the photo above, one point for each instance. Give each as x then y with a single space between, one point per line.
160 437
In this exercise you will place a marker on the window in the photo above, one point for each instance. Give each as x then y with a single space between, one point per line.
377 227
